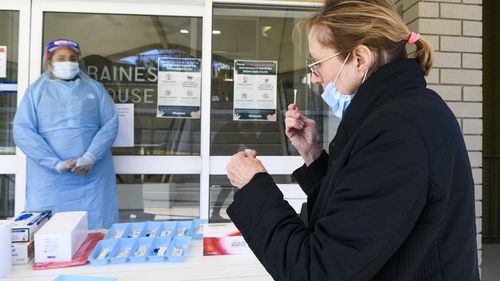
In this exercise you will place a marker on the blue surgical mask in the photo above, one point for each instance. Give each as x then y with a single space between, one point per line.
337 101
65 70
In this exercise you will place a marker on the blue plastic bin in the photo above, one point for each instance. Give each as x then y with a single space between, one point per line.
168 227
197 228
93 258
137 229
183 228
152 229
118 230
65 277
153 250
117 255
178 249
145 242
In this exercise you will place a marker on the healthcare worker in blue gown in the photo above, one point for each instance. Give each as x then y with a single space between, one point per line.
66 124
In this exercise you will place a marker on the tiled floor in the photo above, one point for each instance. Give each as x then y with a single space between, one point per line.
491 262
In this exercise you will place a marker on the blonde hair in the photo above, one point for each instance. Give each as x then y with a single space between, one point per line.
373 23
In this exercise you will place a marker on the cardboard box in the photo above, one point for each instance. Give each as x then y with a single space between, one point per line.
22 253
59 239
223 239
24 229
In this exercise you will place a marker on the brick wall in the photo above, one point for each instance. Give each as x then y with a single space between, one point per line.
454 28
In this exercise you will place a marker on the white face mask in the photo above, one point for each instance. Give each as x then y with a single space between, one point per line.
65 69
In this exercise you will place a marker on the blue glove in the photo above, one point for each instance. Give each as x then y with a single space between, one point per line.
85 159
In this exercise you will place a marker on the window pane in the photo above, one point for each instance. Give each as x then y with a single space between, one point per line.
9 37
270 35
122 52
222 193
158 197
7 183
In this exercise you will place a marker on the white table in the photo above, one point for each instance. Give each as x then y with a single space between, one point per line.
195 267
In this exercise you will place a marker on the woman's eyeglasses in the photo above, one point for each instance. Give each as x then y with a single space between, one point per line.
314 65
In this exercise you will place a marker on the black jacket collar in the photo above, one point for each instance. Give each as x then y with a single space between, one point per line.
388 81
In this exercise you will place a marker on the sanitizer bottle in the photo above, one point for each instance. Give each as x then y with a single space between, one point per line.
5 249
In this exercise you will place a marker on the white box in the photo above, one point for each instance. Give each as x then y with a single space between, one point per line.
223 239
22 252
59 239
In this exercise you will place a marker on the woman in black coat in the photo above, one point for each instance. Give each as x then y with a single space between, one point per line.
393 199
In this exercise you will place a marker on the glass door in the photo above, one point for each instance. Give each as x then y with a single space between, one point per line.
256 74
136 50
9 44
14 36
172 165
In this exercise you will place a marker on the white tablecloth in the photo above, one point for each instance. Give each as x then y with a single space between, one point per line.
195 267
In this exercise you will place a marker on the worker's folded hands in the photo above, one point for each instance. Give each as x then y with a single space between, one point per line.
65 166
80 166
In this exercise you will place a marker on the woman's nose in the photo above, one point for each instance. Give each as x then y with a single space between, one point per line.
315 79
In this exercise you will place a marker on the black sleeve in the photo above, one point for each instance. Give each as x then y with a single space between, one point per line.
310 177
377 200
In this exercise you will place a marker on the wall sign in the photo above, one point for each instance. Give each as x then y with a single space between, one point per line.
179 88
255 90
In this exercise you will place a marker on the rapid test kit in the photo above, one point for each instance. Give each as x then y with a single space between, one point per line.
223 239
59 239
152 241
27 223
22 253
23 231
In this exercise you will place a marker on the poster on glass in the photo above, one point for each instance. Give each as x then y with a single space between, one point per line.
125 137
179 87
255 90
3 61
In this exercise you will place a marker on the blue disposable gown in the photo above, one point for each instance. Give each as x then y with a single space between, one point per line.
61 120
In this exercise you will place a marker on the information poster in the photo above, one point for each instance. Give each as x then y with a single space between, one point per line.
3 61
255 90
179 87
125 137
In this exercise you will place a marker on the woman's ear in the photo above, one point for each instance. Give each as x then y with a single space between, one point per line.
364 58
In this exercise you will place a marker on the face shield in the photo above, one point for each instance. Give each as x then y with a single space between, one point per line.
63 66
60 43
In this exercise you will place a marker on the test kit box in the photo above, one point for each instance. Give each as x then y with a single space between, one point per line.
223 239
26 224
22 253
59 239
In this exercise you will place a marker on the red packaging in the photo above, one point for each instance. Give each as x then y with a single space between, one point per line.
223 239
